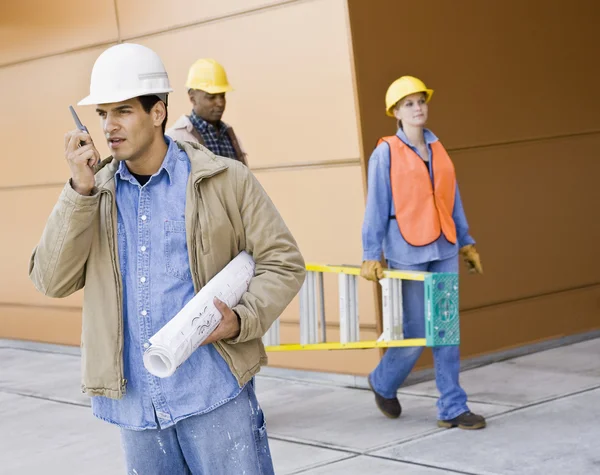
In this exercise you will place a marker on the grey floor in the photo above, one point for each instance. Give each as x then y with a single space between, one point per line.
543 412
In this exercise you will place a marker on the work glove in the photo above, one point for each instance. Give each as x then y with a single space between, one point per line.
371 270
471 258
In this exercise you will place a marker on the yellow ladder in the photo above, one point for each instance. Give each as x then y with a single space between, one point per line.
441 311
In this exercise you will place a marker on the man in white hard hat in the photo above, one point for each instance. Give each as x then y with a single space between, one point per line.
207 84
141 232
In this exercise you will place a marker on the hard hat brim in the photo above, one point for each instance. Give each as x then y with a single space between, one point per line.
93 99
428 94
210 89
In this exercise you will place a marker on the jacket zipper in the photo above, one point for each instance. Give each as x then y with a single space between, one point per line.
195 226
195 216
117 276
193 240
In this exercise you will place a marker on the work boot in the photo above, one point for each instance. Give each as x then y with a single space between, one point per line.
467 420
390 407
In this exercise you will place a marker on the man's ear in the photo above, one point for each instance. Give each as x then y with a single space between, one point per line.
159 112
192 96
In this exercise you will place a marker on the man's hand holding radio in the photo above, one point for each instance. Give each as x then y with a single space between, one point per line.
82 156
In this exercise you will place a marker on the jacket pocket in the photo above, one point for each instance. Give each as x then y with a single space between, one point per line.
176 255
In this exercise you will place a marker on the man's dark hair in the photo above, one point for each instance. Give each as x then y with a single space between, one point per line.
148 103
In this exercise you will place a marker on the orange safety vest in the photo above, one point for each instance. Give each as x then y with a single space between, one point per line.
423 210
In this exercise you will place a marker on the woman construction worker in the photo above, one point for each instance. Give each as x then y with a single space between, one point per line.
414 214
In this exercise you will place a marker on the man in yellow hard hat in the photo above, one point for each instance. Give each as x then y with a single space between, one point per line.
207 84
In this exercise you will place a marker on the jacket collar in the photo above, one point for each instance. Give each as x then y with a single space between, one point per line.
204 164
183 123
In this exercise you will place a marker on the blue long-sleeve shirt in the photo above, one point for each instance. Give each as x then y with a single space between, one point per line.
157 283
380 233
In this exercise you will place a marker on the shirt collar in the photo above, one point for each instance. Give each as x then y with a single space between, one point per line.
168 164
203 126
428 135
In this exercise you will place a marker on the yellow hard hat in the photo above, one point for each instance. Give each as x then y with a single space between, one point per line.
209 76
402 87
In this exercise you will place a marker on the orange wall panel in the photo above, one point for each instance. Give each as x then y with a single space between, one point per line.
49 325
34 119
293 98
24 213
35 28
501 71
140 17
507 326
323 208
281 96
532 210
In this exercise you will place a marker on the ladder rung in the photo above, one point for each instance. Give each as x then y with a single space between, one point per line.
353 345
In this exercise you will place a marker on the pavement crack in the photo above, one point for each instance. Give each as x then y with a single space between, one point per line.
426 465
43 398
317 444
322 464
544 401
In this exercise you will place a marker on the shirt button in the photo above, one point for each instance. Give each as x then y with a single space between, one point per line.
142 280
146 345
143 248
144 313
144 218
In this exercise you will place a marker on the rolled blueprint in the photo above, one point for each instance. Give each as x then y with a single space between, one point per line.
185 332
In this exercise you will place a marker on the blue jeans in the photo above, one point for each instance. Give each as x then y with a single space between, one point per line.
397 363
229 440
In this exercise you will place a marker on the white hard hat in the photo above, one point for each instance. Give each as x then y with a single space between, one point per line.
125 71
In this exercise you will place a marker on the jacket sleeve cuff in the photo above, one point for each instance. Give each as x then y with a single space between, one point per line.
245 322
81 200
372 256
465 241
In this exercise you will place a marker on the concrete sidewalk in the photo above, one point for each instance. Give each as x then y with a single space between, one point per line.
543 415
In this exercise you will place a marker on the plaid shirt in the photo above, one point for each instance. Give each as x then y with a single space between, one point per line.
217 141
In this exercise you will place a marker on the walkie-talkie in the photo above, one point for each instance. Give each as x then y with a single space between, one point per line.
78 124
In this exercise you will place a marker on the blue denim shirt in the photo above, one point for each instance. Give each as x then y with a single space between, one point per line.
157 283
379 232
